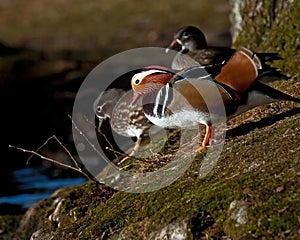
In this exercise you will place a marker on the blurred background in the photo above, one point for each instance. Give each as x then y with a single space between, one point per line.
46 50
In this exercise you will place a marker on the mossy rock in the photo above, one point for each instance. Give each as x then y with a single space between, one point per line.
259 167
274 26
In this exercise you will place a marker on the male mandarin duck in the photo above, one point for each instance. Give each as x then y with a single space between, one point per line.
164 93
125 119
191 41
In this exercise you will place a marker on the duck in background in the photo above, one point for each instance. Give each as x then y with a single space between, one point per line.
113 107
125 119
193 50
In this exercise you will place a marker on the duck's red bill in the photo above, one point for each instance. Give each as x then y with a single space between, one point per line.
175 45
135 97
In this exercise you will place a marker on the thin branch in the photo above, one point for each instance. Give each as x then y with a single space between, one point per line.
86 139
39 148
115 151
68 152
111 148
65 149
52 160
77 168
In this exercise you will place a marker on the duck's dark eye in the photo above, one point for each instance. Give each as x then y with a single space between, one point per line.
99 108
137 81
186 35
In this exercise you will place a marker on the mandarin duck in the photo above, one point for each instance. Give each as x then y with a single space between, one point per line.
174 101
191 41
125 119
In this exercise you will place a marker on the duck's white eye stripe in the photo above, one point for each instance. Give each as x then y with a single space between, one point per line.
179 41
141 75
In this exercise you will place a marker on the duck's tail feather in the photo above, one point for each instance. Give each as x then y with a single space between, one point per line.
268 57
273 93
270 74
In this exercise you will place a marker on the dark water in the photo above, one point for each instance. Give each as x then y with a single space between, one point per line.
30 185
35 103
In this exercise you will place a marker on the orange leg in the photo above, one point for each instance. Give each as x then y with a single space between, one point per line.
206 140
133 151
136 146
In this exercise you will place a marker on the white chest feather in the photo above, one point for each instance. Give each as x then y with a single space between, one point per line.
134 131
180 119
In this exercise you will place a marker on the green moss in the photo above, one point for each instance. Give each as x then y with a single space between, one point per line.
205 202
9 224
235 231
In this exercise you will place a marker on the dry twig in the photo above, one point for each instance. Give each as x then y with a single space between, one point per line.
111 148
77 168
